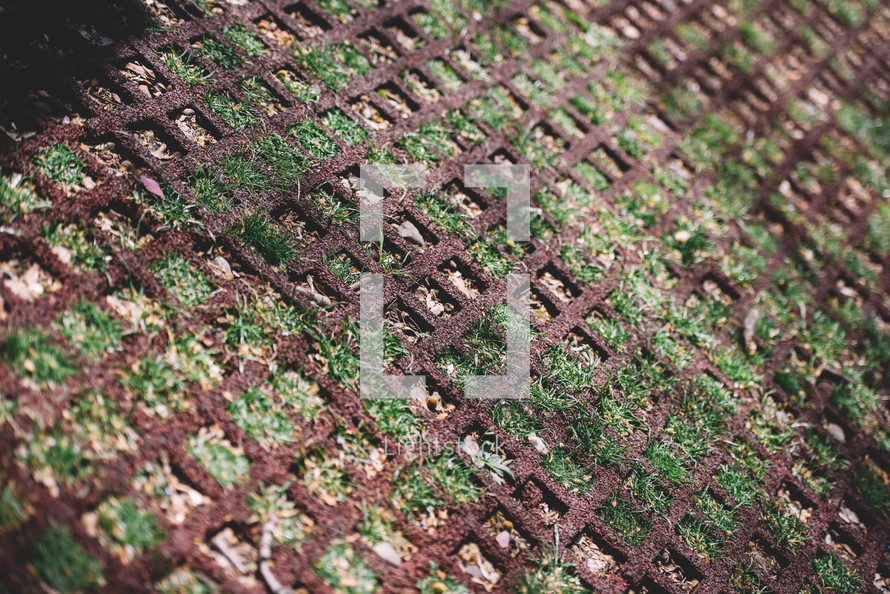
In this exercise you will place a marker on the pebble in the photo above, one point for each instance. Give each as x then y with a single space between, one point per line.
836 431
848 515
386 552
503 539
473 571
63 254
682 236
409 232
538 444
223 265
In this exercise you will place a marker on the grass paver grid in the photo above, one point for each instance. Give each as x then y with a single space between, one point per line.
709 359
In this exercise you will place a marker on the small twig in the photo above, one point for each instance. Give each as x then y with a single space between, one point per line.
219 541
266 540
318 298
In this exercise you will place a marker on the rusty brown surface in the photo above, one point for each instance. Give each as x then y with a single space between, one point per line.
532 485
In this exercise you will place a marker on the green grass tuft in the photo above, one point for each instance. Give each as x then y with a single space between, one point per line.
182 280
341 265
437 207
395 417
128 525
221 54
420 487
834 576
345 571
744 579
571 475
706 530
171 209
208 8
211 190
550 576
61 562
335 65
247 172
338 8
516 418
312 138
448 75
13 512
284 160
262 417
331 207
260 234
161 381
300 89
61 164
236 114
349 131
739 484
93 331
787 530
590 431
223 462
293 527
325 477
379 154
646 488
32 356
630 523
299 393
592 175
18 198
244 38
484 343
432 24
873 489
569 371
495 252
259 96
185 66
579 263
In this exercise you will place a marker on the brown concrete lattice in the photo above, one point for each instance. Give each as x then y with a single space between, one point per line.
772 81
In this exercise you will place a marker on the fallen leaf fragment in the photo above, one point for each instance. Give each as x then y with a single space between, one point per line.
152 186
